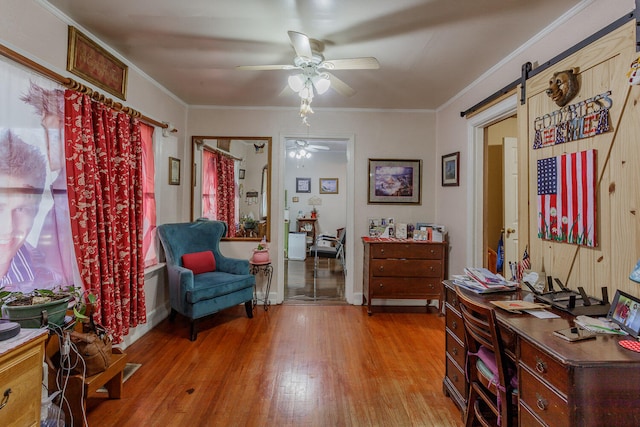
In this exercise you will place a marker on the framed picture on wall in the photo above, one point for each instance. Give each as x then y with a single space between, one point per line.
303 185
85 58
450 167
395 181
328 185
174 171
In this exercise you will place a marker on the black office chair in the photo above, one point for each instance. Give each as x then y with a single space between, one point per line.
492 376
333 248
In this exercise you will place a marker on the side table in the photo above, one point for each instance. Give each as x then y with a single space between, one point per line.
266 269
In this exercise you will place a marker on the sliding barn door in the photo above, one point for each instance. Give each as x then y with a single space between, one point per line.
602 68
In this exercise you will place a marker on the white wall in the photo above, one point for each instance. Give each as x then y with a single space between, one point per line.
332 213
453 207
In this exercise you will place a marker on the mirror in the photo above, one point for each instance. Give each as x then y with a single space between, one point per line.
242 164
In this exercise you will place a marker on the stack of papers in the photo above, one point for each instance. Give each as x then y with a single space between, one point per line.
481 280
518 306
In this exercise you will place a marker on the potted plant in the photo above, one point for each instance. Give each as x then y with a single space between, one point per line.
261 253
249 223
40 307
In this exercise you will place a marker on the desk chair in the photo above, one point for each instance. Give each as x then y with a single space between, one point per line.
332 249
492 379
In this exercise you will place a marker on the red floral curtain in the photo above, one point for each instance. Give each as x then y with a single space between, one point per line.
226 193
209 185
104 181
218 189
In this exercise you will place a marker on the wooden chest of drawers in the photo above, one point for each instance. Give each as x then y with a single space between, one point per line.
404 269
21 380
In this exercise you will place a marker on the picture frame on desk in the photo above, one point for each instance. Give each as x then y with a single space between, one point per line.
395 181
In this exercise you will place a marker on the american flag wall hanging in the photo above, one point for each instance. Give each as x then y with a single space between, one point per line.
567 198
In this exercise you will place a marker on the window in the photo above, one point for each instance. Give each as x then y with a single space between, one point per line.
149 244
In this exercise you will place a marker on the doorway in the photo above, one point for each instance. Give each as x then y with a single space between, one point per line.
478 193
316 183
500 201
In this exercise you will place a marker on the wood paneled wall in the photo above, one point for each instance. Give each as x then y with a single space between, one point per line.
603 66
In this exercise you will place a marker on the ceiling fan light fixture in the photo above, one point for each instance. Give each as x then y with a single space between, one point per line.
321 82
296 82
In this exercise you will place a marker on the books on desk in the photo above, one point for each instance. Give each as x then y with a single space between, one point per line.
482 281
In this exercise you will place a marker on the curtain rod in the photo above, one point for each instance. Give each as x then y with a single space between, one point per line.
77 86
200 142
528 72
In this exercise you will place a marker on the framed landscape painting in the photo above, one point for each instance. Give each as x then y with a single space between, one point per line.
328 185
395 181
450 166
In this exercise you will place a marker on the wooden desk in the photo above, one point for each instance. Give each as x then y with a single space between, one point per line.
586 383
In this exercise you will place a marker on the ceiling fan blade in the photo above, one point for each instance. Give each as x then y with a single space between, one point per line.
366 63
266 67
341 87
301 44
319 147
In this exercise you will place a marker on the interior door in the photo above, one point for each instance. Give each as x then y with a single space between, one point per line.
510 203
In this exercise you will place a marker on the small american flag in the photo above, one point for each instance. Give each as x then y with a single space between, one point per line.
525 264
567 199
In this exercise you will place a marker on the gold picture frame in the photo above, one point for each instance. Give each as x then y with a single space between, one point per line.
328 185
86 59
174 171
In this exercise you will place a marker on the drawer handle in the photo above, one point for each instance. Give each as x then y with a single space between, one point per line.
455 351
455 301
541 366
431 268
541 402
381 285
381 268
382 251
454 324
5 399
455 378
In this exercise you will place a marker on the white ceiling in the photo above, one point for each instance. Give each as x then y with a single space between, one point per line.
428 50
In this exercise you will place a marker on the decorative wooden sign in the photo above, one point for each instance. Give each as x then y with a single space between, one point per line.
87 59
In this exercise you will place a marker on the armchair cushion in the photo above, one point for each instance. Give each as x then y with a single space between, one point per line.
199 262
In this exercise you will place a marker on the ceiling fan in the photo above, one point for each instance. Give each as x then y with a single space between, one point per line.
299 143
314 72
301 149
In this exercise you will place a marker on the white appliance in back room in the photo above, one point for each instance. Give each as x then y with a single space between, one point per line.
297 246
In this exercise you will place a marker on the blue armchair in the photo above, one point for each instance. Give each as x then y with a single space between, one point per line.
227 281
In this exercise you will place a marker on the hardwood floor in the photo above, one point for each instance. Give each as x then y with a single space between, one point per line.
293 365
299 282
